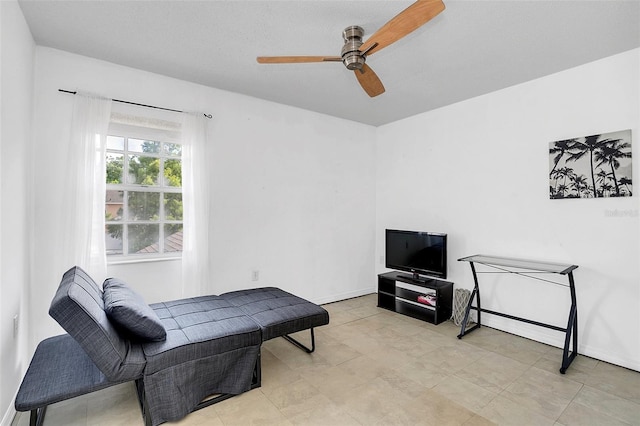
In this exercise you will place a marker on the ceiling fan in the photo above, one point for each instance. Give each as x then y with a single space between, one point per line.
354 52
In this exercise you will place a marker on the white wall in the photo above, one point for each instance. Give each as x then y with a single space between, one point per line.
17 51
478 170
293 191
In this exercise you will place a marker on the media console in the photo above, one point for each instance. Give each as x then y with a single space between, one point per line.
401 293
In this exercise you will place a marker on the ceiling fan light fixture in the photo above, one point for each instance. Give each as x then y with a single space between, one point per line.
352 58
354 52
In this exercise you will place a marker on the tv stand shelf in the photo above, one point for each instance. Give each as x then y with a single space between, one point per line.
399 293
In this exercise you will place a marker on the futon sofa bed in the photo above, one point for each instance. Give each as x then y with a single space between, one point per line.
183 355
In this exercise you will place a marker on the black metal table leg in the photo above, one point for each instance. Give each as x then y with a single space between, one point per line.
572 330
474 294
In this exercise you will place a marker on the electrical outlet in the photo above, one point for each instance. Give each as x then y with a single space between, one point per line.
16 325
255 275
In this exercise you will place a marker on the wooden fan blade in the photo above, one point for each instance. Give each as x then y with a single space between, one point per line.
402 24
295 59
369 81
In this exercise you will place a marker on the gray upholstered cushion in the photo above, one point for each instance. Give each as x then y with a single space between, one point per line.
129 311
277 312
210 321
60 369
79 309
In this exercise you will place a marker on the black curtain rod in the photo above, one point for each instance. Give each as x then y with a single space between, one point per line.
137 104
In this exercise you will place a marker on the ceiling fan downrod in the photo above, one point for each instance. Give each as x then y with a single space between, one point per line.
352 58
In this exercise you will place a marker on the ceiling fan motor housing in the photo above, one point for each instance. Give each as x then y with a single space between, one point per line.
352 58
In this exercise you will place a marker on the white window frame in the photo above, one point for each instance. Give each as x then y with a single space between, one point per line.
162 135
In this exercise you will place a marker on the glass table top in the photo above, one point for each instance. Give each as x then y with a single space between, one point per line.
532 265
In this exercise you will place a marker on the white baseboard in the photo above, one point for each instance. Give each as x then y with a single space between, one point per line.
556 339
343 296
10 414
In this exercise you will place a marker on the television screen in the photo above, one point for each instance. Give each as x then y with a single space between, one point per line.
417 252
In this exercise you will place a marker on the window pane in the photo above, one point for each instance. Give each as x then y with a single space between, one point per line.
173 149
173 172
143 238
115 164
140 145
143 170
113 239
173 206
173 238
115 142
113 205
143 205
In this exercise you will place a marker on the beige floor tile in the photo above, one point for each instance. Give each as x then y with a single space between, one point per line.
115 405
416 348
616 380
406 385
372 401
432 335
294 357
609 404
390 355
478 420
422 372
381 319
72 412
345 333
334 351
580 415
493 372
467 394
251 407
411 327
204 417
542 392
328 415
578 371
455 356
365 368
430 408
295 397
335 379
365 311
339 317
21 419
274 371
519 348
503 411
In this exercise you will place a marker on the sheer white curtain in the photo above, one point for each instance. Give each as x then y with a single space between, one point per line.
83 233
195 199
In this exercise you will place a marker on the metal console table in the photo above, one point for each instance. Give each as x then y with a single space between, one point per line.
526 268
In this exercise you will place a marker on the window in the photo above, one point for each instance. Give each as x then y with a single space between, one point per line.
143 203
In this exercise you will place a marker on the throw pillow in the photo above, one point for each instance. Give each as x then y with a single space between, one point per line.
130 313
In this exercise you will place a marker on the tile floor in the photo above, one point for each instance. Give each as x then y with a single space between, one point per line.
372 366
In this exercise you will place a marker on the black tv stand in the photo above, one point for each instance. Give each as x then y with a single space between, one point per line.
399 293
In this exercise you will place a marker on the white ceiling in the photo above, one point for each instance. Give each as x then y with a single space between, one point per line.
473 47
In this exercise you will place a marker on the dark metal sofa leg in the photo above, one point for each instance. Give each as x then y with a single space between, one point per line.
37 416
300 345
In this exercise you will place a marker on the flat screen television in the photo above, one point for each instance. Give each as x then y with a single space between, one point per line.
421 253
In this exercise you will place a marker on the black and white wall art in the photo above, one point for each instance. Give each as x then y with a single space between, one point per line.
594 166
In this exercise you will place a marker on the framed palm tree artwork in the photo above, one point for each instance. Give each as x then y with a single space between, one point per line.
594 166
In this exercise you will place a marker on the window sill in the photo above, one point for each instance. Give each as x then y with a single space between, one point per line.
131 259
